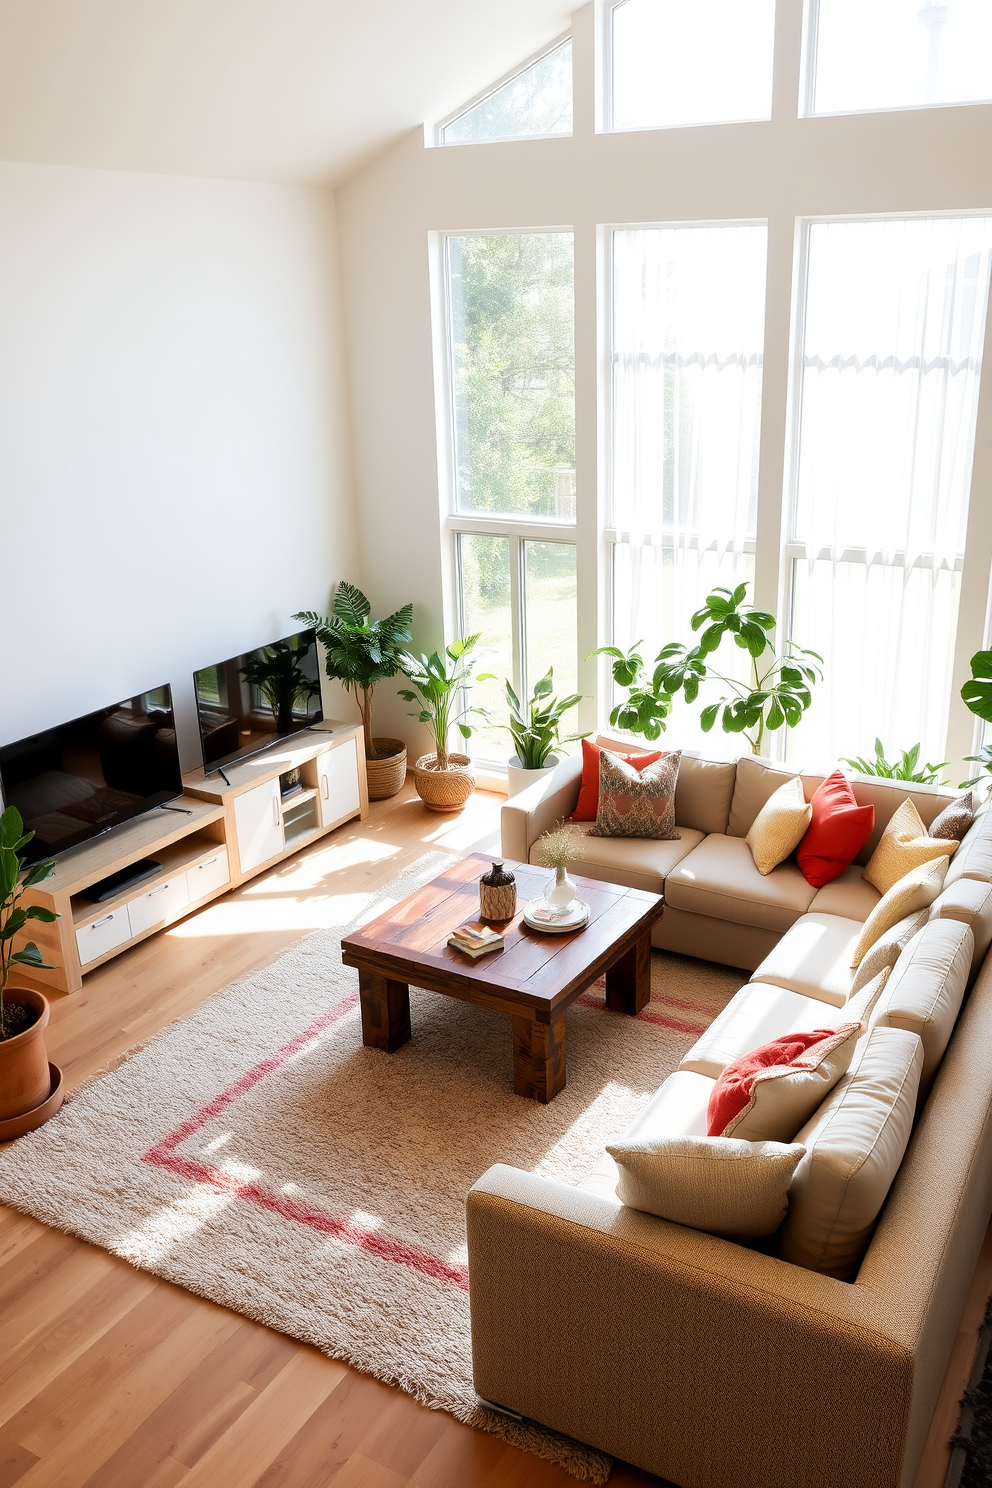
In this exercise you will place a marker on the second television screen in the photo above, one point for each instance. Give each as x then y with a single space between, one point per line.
251 701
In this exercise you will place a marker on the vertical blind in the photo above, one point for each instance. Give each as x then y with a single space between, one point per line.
894 323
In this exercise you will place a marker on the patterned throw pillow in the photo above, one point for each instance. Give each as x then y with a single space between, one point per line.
955 819
637 803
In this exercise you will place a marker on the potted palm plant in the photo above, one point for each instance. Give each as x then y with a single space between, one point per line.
361 652
28 1093
534 729
444 780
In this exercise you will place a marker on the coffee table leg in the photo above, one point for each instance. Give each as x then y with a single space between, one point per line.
385 1012
628 981
538 1058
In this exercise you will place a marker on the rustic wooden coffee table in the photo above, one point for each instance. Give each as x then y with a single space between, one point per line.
533 979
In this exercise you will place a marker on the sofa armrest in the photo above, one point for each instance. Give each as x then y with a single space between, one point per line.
692 1357
535 810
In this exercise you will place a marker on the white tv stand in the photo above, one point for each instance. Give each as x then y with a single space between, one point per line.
225 834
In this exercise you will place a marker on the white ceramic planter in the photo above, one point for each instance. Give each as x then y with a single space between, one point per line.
518 779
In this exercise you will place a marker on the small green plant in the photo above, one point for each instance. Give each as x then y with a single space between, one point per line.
983 758
906 767
13 917
358 651
281 680
440 690
559 847
535 727
777 693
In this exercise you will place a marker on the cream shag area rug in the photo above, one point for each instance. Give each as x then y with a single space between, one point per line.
258 1155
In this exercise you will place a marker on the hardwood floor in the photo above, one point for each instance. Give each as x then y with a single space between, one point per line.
110 1378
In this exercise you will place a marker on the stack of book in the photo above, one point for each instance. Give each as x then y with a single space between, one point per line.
474 943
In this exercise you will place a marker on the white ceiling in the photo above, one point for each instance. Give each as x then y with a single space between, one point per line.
278 90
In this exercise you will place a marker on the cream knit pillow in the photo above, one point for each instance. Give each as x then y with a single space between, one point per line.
779 826
903 845
916 891
718 1184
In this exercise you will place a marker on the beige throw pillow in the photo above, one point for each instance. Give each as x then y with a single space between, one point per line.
854 1145
718 1184
784 1097
916 891
888 948
904 845
779 826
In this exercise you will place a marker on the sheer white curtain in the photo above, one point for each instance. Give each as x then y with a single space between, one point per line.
891 359
688 328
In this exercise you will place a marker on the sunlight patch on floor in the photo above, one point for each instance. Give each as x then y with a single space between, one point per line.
259 916
166 1229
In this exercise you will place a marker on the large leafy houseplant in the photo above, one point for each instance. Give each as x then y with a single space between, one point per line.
778 691
361 652
906 767
281 680
13 915
535 726
440 684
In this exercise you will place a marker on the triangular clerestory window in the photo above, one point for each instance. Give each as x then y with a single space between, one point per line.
532 104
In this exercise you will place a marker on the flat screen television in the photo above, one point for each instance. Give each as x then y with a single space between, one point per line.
255 700
79 779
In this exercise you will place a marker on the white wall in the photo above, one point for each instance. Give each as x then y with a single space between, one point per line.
173 483
783 170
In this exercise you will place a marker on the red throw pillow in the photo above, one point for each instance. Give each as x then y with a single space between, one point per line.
734 1088
587 806
838 830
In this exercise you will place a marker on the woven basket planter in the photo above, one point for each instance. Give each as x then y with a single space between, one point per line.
444 790
387 773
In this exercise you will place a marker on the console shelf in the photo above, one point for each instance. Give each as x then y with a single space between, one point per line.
214 838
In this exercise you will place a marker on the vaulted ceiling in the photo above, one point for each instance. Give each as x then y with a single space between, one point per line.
279 90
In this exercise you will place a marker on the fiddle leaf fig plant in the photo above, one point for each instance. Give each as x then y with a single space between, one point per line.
777 693
14 916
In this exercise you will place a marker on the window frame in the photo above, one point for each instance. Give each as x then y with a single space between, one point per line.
517 528
440 142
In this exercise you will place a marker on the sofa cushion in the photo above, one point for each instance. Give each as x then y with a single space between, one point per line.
838 830
760 1012
854 1145
636 862
757 780
904 845
769 1093
779 826
719 878
917 890
677 1108
636 803
973 858
970 901
704 789
814 958
732 1188
956 818
926 989
587 805
888 948
847 895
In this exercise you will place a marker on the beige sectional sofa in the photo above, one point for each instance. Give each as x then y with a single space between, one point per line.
715 1364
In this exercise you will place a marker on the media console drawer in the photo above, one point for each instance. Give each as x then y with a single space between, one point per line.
205 878
102 935
158 904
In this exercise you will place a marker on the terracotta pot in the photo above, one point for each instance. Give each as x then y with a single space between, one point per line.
25 1077
444 790
386 774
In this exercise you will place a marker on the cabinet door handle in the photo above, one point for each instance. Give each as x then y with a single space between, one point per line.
160 890
325 787
105 921
275 810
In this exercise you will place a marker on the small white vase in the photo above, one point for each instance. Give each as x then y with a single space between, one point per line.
560 891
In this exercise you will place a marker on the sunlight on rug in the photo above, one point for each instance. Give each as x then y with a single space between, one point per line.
257 1154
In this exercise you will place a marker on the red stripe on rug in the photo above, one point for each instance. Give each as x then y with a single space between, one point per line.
646 1015
164 1155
